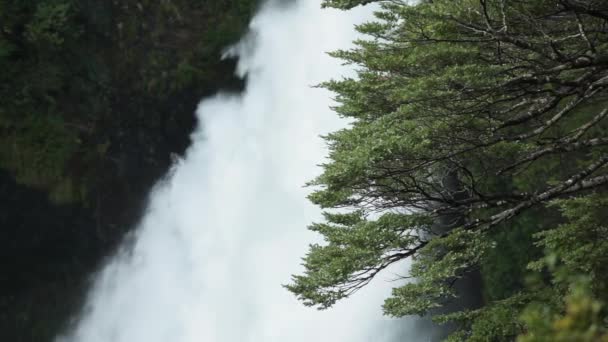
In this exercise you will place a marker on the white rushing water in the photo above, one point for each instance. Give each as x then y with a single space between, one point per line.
227 226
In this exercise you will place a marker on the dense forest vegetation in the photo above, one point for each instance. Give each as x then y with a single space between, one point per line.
477 150
477 147
95 98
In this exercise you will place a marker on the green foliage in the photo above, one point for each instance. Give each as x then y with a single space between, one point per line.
438 265
346 4
356 250
50 25
68 67
37 139
504 268
473 117
583 320
578 246
37 146
498 321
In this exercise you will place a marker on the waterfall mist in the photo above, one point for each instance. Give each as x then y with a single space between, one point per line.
226 227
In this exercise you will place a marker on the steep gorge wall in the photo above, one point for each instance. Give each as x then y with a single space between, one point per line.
97 97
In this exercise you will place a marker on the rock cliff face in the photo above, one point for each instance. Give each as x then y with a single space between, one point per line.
97 97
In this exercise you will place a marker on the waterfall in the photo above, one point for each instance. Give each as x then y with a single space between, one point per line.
227 226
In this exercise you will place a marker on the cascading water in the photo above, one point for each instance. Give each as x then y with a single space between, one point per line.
227 227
